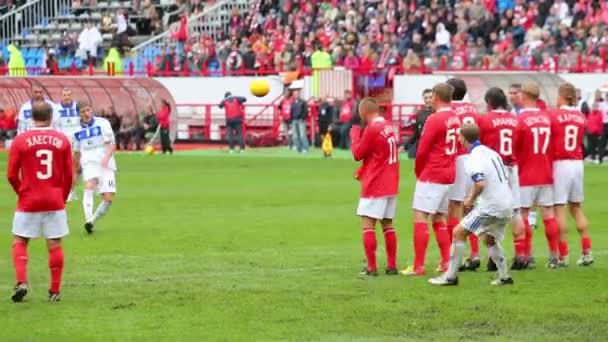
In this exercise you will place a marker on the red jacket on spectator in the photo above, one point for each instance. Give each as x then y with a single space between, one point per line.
595 125
163 117
182 32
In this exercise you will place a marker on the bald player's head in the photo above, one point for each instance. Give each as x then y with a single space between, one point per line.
368 109
42 113
469 133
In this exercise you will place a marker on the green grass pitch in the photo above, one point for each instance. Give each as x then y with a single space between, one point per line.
266 246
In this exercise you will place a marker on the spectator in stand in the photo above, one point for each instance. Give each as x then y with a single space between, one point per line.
595 133
182 32
235 115
106 23
51 63
169 62
164 121
348 111
234 61
147 23
89 41
299 115
515 98
421 116
121 39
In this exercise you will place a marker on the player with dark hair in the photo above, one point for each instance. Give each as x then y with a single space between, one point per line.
492 211
435 174
379 176
498 128
467 113
568 129
41 173
536 173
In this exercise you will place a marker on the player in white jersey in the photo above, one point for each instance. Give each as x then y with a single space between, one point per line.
94 148
24 118
492 212
69 120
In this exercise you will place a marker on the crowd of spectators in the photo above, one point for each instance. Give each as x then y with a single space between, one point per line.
409 35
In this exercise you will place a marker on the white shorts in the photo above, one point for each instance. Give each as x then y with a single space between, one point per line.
541 195
568 178
378 208
478 223
513 174
463 183
431 198
50 224
106 180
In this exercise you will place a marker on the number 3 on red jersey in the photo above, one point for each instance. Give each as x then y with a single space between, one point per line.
450 141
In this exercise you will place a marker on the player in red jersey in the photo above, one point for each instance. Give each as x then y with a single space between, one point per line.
467 113
567 130
535 169
498 128
435 173
40 170
377 147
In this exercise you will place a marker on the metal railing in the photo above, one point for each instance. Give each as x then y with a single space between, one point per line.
212 22
20 22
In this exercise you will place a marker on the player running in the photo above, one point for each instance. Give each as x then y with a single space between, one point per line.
435 173
69 121
536 171
467 113
491 213
567 130
379 175
497 128
94 148
40 172
24 118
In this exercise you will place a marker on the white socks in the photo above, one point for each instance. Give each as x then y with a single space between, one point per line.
102 209
456 254
497 254
87 204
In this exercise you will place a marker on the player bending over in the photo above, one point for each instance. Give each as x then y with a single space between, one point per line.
497 131
379 175
490 215
536 170
94 148
567 130
69 121
435 173
467 113
40 171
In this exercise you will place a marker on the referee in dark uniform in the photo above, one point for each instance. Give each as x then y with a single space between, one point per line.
423 113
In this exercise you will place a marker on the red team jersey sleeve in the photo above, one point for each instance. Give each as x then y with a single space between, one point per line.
435 158
567 133
378 149
40 170
533 150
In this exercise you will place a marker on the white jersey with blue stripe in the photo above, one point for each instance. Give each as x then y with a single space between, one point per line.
24 118
69 118
92 142
484 164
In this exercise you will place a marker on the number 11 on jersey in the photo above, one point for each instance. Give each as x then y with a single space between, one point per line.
393 151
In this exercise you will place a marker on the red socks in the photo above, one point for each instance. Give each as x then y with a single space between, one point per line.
563 249
369 245
586 245
520 247
56 267
528 238
20 261
452 223
421 241
474 241
552 235
443 241
390 243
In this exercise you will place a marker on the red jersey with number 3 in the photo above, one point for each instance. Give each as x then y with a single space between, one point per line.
567 133
467 113
436 154
498 128
378 149
532 147
40 170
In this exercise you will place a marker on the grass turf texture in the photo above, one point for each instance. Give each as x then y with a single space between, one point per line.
265 246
